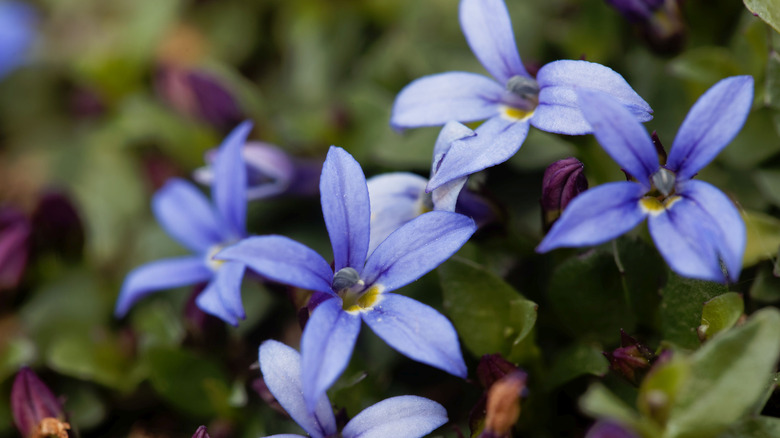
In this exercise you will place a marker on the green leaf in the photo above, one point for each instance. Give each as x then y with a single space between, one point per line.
754 427
705 65
681 308
767 10
772 94
100 360
490 315
575 361
661 387
766 286
599 402
728 375
644 272
763 237
586 292
193 384
720 313
540 149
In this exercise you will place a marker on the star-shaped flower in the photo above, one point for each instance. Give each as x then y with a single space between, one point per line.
403 417
697 229
358 288
511 102
204 228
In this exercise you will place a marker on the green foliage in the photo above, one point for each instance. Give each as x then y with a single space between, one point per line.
766 10
720 313
681 308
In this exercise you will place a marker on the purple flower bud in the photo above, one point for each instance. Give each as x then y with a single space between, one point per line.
270 172
36 410
562 181
199 95
202 432
57 226
493 367
658 21
609 429
15 230
632 360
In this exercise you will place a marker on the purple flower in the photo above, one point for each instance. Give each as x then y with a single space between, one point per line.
204 228
562 181
34 406
360 288
510 103
398 197
403 417
15 231
270 172
17 33
695 226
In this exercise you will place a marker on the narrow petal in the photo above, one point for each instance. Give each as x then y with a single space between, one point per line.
711 124
186 215
326 347
396 198
451 132
686 237
406 416
159 275
620 134
445 197
229 187
558 110
283 260
281 367
724 214
596 216
416 248
417 331
488 30
435 100
496 141
346 208
225 299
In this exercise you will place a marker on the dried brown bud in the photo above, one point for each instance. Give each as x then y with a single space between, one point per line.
503 405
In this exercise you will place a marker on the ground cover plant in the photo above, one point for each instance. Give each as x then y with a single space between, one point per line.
556 218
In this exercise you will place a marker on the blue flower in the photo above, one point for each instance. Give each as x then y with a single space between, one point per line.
17 33
697 229
187 216
360 288
398 197
403 417
510 103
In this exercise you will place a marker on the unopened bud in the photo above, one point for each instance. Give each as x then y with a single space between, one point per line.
631 360
57 226
37 412
503 405
202 432
609 429
659 22
562 181
493 367
15 231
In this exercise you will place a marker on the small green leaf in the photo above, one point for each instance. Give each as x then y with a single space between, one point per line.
772 96
767 10
575 361
728 376
720 313
681 308
490 315
661 387
705 65
766 286
763 237
99 360
599 402
754 427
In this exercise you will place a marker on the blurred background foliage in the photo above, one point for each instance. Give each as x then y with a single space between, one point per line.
117 96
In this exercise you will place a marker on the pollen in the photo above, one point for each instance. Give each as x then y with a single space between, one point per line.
654 206
365 301
516 114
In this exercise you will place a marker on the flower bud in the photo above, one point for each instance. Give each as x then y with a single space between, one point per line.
562 181
202 432
36 411
57 226
658 21
632 360
503 405
609 429
15 231
493 367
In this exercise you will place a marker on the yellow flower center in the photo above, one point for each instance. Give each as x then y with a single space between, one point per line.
654 206
356 302
515 114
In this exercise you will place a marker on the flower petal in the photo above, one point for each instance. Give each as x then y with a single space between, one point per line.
326 347
186 215
159 275
435 100
620 134
229 186
416 248
488 30
395 200
283 260
596 216
417 331
281 367
496 141
18 22
346 208
406 416
558 110
686 237
222 297
451 132
711 124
